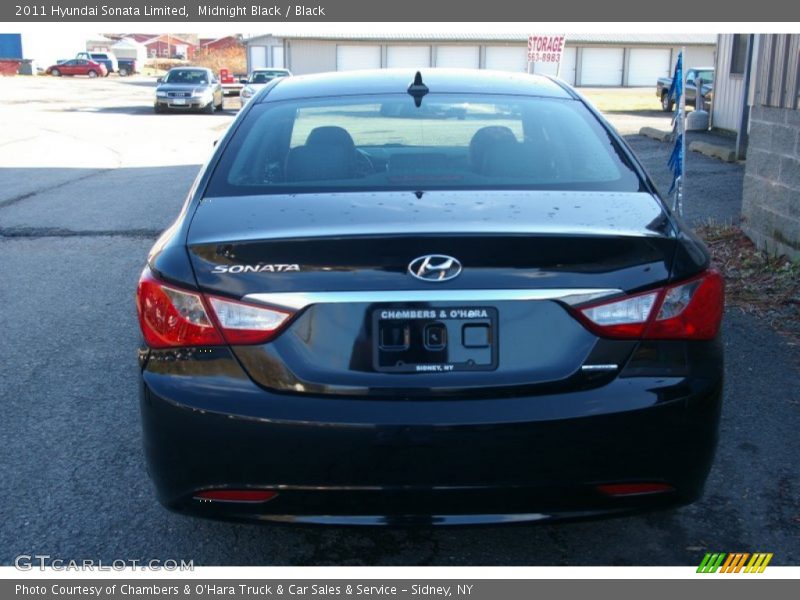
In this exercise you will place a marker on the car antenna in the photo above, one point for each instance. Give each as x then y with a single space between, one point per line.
417 89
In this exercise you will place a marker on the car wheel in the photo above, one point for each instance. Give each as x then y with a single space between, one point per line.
123 72
55 73
92 74
220 106
157 108
209 108
667 104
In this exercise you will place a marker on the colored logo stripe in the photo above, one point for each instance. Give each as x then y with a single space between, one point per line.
711 562
734 562
758 563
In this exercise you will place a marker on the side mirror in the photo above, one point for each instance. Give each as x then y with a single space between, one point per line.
243 81
160 80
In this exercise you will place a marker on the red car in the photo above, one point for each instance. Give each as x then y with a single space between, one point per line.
78 66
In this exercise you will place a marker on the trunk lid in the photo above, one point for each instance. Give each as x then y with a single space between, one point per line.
342 260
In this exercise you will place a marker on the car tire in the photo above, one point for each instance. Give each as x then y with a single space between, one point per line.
92 74
208 108
667 104
157 108
55 73
220 106
123 72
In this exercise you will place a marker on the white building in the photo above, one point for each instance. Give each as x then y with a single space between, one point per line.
589 59
128 48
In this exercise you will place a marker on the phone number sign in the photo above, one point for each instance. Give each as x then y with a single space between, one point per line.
545 48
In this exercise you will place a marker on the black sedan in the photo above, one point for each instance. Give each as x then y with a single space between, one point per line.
441 297
189 88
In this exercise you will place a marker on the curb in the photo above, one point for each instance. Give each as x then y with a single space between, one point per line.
713 150
656 134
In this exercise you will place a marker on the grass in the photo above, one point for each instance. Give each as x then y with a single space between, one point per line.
152 71
623 99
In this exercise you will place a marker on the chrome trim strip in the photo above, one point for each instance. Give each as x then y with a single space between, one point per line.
607 367
300 300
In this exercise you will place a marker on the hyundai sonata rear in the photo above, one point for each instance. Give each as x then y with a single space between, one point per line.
444 297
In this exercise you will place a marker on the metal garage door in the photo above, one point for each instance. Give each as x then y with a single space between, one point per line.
258 57
351 58
458 57
277 56
601 66
646 65
507 58
414 57
567 66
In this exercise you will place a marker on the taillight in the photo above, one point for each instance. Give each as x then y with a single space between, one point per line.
172 317
245 323
690 310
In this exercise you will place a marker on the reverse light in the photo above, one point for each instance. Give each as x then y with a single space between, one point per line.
171 317
688 310
245 323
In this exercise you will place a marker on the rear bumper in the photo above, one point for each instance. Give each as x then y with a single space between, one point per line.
385 461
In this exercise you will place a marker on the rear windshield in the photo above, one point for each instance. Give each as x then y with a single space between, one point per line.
451 142
706 76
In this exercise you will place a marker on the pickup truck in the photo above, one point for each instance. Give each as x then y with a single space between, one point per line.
692 75
126 66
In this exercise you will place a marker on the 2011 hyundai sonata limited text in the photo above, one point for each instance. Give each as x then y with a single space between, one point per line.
439 297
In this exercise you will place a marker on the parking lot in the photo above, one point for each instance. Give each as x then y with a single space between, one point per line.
89 176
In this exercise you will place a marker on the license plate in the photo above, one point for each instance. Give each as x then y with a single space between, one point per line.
434 340
179 102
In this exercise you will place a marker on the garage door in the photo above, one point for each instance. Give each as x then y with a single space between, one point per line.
458 57
567 66
507 58
413 57
601 66
351 58
646 65
277 56
258 57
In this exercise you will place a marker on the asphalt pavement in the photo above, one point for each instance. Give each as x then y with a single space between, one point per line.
88 177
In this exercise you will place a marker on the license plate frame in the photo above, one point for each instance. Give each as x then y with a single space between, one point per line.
404 340
178 101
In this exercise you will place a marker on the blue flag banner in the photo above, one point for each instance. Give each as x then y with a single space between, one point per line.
677 158
676 87
676 161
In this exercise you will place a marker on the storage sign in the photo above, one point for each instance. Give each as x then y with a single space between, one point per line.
545 48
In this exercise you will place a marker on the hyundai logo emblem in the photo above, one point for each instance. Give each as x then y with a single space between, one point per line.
435 267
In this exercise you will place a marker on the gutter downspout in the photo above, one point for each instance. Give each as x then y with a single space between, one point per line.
744 116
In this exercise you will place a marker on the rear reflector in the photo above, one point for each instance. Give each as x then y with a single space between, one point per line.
634 489
171 317
690 310
235 495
